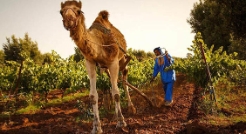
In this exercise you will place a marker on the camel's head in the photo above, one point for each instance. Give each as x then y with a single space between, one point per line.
71 11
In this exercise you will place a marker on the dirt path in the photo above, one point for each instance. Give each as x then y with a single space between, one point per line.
148 120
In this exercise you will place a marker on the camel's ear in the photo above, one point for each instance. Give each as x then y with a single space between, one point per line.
79 4
62 5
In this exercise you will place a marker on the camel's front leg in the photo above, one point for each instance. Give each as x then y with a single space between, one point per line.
91 69
114 70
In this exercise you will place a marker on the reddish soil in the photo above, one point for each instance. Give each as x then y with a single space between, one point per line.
182 117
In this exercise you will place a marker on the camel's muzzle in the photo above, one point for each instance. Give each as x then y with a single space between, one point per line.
70 24
70 19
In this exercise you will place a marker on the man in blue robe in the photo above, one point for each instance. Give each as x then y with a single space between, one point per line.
163 61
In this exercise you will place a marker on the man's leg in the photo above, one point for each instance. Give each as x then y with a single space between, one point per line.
165 88
169 92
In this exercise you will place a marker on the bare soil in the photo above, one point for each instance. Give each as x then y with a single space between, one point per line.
181 118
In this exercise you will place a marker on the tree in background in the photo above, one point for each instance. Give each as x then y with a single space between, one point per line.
150 54
235 13
47 58
14 47
218 21
78 55
50 58
208 18
140 55
12 50
238 45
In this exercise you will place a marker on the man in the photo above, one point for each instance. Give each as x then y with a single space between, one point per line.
162 65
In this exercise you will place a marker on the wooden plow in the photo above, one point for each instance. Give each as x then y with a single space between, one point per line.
140 93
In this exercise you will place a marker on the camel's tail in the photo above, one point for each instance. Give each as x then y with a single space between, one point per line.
104 14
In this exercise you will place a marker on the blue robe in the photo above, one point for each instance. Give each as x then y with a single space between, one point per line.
167 77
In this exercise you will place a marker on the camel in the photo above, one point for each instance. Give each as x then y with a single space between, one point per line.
104 45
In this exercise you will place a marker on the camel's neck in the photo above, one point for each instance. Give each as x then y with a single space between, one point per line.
80 35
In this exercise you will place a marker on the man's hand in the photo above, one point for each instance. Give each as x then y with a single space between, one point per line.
166 54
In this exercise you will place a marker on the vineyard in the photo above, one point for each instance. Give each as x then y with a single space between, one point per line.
56 95
67 75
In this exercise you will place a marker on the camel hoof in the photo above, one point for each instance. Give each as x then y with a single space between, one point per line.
132 110
121 124
97 131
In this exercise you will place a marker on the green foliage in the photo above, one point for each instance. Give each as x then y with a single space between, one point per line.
72 75
219 62
103 82
224 68
61 74
1 58
29 76
140 72
8 74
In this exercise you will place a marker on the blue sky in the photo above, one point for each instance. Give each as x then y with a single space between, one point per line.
146 24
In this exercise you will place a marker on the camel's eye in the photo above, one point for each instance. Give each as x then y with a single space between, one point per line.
61 12
79 12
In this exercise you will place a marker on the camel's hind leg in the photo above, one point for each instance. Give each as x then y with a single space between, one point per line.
91 69
114 70
131 108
